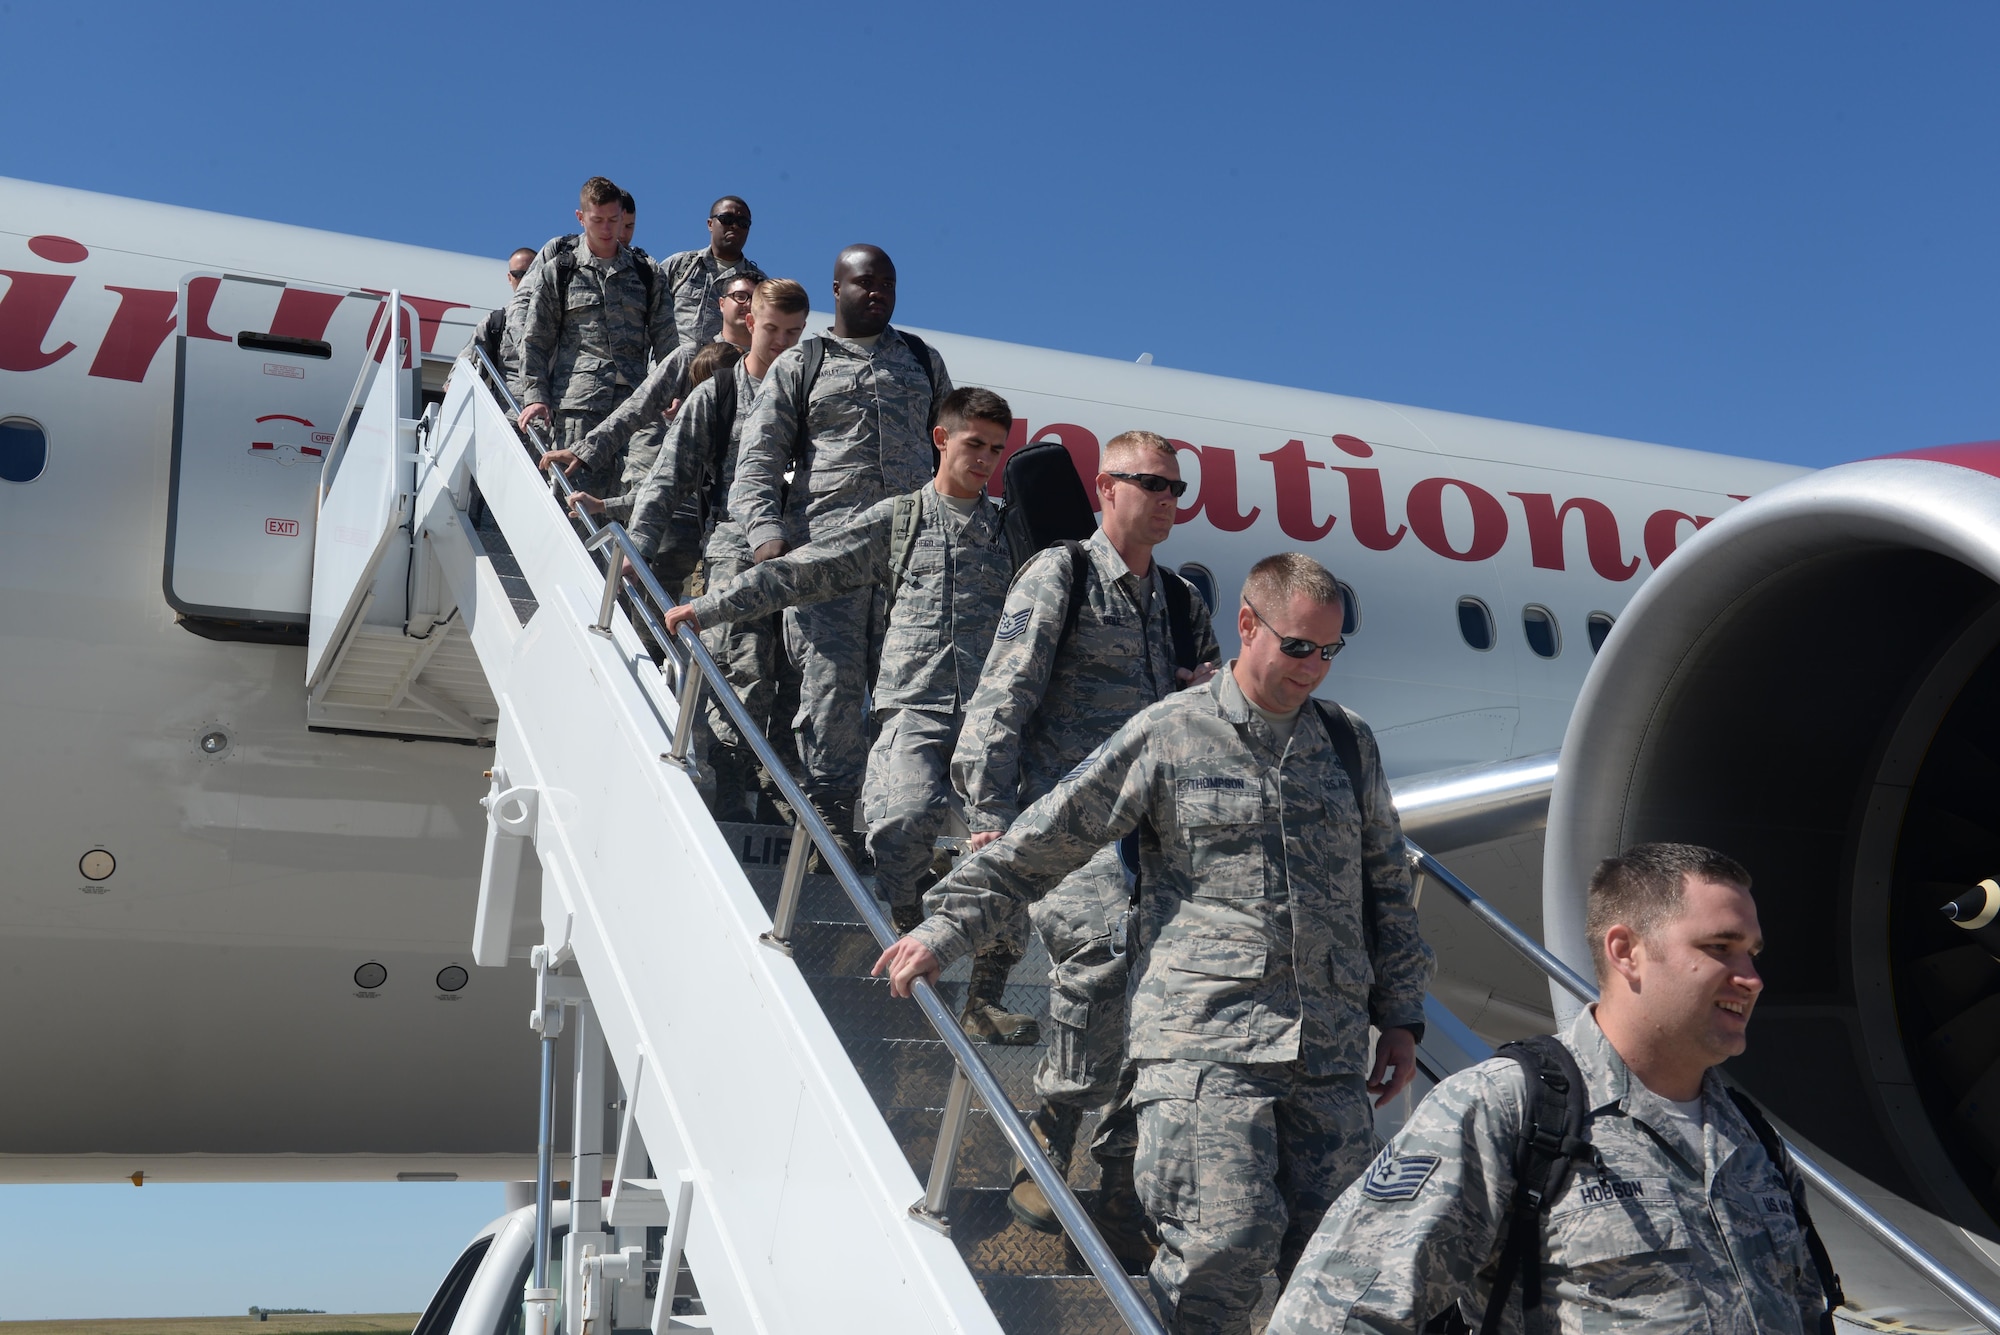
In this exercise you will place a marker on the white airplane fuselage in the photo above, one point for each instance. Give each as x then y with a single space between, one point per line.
196 1011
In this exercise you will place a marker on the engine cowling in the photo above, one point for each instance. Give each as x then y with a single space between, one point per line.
1812 684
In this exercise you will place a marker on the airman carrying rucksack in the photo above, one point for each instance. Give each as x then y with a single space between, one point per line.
1555 1137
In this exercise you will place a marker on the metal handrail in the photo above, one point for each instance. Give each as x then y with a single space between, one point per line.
1862 1213
693 656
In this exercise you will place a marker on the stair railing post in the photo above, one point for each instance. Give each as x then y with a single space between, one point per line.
944 1156
614 569
691 684
789 892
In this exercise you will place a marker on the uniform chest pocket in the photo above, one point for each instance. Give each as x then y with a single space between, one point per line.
583 300
1222 818
1619 1245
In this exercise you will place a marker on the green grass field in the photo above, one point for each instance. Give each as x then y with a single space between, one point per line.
330 1323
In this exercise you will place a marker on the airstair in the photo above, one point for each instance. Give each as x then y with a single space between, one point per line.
760 1112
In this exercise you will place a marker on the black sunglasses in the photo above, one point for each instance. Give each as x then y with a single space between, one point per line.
1152 482
731 219
517 274
1291 646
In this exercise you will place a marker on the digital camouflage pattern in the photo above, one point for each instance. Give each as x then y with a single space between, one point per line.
695 279
1237 1164
954 581
585 348
1672 1231
906 799
863 437
492 334
688 461
1036 715
637 428
1275 920
747 649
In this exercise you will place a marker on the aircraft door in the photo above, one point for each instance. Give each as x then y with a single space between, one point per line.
264 370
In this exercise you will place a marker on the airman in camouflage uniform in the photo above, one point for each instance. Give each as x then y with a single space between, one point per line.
865 435
586 348
1043 704
1678 1221
492 333
949 586
695 278
1667 1231
1275 925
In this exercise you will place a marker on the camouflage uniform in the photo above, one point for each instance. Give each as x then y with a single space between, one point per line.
686 465
635 430
954 580
1670 1232
694 281
1275 926
865 436
493 335
584 350
1035 716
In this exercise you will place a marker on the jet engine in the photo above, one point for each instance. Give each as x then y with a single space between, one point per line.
1812 685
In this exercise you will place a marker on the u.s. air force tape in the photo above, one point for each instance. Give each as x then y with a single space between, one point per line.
1013 623
1398 1177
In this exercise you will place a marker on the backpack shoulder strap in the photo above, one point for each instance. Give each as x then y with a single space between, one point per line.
1346 746
1774 1149
812 355
922 352
718 443
903 521
1180 617
1554 1138
1079 591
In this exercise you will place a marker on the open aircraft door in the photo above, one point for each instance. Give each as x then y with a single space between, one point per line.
265 371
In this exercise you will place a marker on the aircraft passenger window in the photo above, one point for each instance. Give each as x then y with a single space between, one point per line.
1350 609
1203 581
1475 624
1544 637
1600 626
24 449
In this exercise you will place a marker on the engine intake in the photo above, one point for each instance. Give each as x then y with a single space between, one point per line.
1812 684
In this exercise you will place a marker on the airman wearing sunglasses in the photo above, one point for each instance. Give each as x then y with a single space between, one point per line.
698 278
1274 926
492 333
1046 698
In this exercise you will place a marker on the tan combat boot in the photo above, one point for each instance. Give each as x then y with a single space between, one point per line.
1054 1129
986 1017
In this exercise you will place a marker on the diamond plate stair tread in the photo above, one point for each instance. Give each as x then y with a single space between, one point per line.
506 566
1075 1305
1026 1275
916 1072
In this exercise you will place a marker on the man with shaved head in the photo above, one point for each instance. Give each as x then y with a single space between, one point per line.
848 415
1056 683
697 278
1273 925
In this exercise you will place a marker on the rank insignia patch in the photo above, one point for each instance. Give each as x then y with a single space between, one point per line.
1392 1178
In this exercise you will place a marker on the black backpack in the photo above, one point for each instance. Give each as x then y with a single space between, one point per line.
565 267
1555 1138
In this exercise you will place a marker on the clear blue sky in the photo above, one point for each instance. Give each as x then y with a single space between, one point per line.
1763 229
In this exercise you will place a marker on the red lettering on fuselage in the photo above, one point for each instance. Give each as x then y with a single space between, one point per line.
26 314
1663 533
1489 519
1215 493
1292 471
1600 534
144 319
